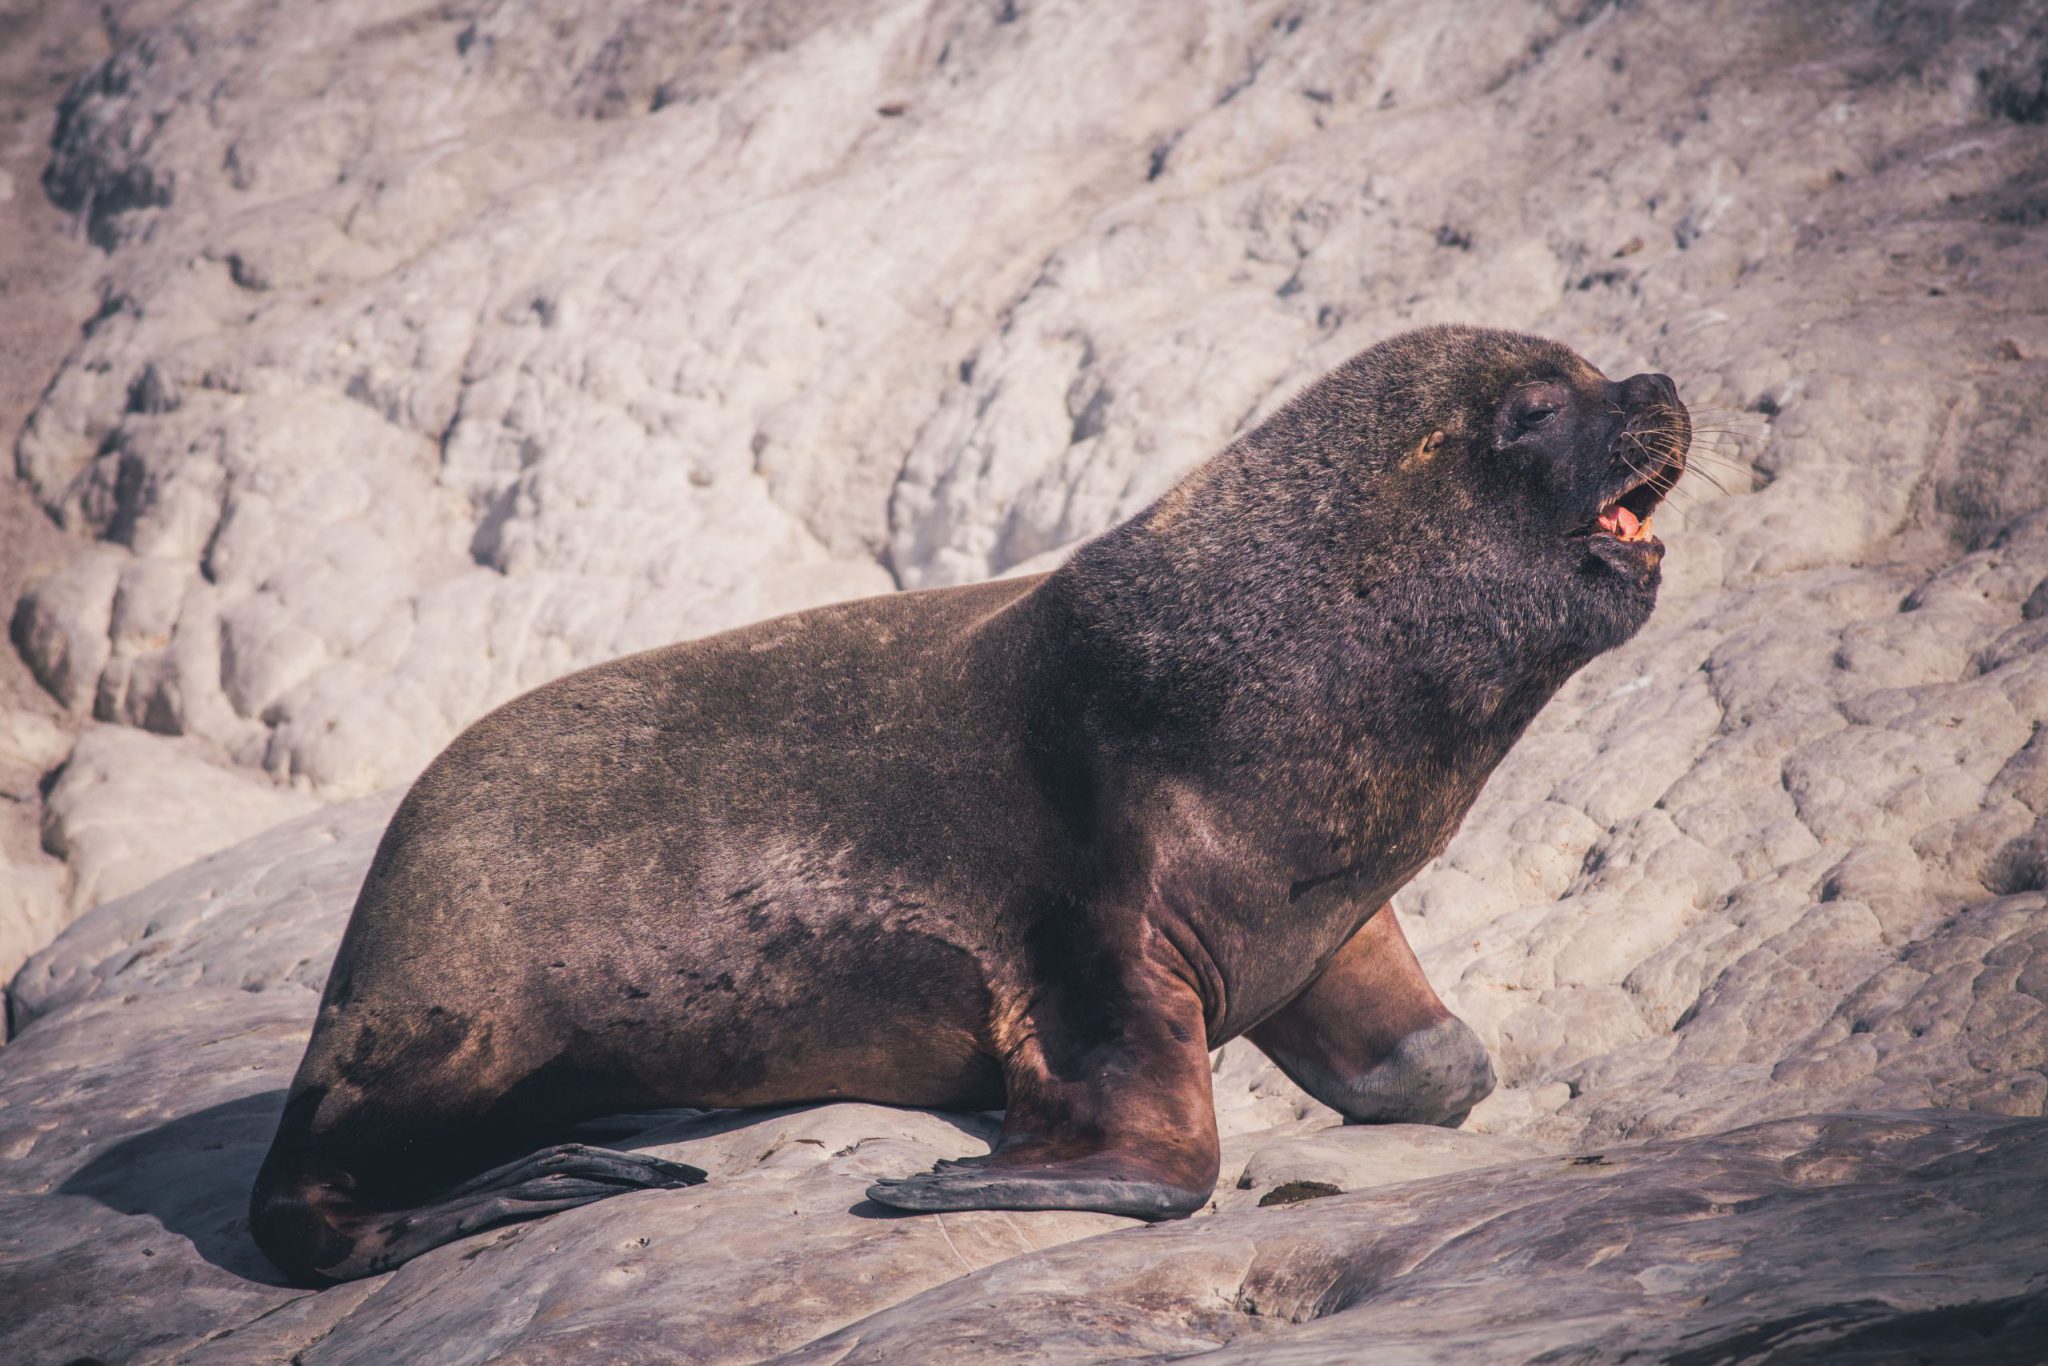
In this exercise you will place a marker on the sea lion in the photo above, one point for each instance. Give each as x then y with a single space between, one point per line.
1038 844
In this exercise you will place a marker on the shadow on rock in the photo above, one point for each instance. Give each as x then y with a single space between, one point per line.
192 1175
1982 1332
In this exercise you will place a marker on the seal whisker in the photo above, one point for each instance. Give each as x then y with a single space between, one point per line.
1717 459
1668 492
1713 455
1660 447
1708 475
1676 491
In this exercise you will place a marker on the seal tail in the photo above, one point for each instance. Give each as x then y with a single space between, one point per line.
318 1224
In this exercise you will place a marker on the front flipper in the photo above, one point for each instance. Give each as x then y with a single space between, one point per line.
1107 1183
1109 1110
1371 1039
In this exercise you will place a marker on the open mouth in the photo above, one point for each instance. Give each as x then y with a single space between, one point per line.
1627 517
1651 446
1624 516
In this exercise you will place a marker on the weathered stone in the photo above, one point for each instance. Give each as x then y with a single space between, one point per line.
34 906
130 807
31 746
1718 1249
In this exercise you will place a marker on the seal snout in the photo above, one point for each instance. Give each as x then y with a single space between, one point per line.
1648 390
1651 446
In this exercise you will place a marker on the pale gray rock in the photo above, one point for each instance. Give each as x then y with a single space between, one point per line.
60 625
125 808
423 453
34 905
130 807
1704 1250
1763 856
35 898
263 914
1324 1159
31 746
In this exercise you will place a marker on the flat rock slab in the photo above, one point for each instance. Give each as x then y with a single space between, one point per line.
129 1154
1840 1237
263 914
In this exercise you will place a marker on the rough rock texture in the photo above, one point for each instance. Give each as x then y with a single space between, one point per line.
1783 852
129 807
46 290
441 350
461 346
123 808
1710 1250
33 895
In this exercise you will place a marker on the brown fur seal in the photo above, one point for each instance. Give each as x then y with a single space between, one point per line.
1038 844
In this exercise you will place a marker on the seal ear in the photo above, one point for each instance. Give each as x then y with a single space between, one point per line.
1428 447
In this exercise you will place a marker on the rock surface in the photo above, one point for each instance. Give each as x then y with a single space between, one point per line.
124 808
34 896
129 807
442 350
1707 1250
46 290
421 377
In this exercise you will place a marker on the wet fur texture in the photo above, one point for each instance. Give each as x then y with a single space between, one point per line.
1038 844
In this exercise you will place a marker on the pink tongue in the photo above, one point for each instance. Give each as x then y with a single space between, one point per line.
1627 520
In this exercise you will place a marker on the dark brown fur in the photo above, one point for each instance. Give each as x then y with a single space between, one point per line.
1040 843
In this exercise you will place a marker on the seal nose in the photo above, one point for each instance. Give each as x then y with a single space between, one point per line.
1642 390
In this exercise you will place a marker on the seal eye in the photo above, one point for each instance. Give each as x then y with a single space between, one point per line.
1531 418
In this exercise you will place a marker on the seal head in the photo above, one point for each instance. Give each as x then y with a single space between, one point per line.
1517 463
1457 517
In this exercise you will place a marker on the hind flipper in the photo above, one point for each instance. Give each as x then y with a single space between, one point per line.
552 1179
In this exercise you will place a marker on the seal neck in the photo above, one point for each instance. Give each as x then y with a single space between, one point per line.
1274 601
1308 659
